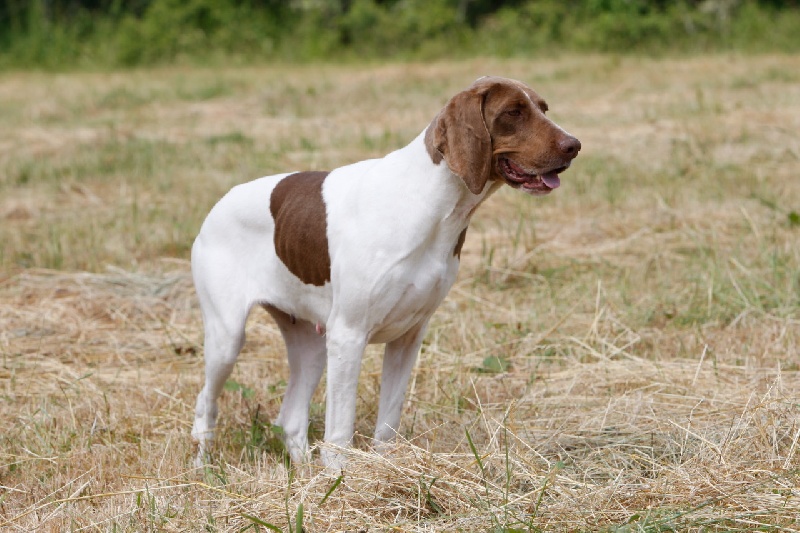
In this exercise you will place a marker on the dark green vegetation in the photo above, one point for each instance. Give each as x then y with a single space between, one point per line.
111 33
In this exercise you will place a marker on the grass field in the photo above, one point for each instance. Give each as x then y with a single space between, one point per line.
622 355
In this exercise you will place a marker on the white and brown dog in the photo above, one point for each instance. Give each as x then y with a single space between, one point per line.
362 254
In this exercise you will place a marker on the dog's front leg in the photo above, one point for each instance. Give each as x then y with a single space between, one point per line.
345 350
398 361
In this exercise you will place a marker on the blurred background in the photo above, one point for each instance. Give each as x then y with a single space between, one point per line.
112 33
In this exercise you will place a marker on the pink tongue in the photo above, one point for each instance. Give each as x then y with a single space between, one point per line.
552 180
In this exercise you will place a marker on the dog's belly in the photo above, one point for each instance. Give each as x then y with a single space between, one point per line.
285 292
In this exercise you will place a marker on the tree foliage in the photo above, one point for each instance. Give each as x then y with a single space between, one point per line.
53 33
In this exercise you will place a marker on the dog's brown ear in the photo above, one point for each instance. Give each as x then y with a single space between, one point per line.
460 134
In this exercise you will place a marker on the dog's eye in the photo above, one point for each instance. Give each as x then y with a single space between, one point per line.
514 113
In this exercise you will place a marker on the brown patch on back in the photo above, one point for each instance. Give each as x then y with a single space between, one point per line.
460 243
301 227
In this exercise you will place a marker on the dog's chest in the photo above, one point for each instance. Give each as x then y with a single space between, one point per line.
411 297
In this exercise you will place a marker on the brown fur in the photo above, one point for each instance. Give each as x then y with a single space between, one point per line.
301 238
460 243
479 124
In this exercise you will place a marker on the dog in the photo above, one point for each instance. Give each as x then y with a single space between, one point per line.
362 254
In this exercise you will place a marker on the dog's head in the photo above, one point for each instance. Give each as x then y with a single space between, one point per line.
497 129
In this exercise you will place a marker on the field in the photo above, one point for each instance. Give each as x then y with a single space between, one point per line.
623 354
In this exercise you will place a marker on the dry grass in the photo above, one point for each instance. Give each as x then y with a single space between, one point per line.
620 355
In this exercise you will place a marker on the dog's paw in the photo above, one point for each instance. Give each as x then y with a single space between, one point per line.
333 459
202 459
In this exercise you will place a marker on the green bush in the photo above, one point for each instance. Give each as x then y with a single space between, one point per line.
172 30
640 26
67 33
398 29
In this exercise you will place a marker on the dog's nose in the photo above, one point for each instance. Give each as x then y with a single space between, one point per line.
569 145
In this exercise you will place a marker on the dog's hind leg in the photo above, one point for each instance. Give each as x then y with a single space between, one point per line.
225 312
305 349
222 346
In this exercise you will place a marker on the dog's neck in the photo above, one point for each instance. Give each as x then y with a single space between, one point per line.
448 193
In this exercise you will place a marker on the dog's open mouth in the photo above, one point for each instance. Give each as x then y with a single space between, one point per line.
531 182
